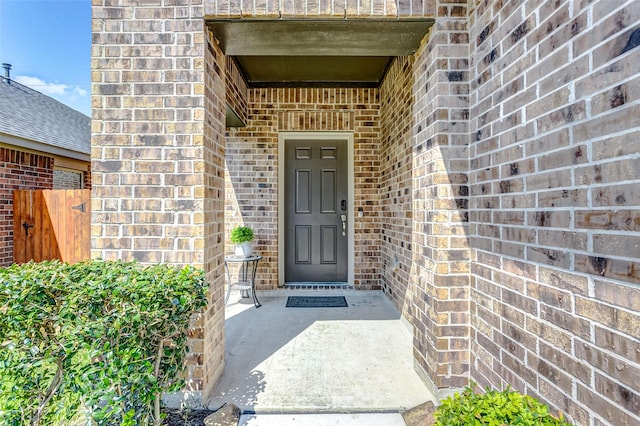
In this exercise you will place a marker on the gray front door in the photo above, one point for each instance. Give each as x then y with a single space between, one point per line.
316 211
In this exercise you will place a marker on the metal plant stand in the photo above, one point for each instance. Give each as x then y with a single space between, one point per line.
246 276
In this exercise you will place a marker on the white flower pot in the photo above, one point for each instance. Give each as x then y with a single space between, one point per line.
244 249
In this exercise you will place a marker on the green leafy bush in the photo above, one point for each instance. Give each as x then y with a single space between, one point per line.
100 339
494 408
241 234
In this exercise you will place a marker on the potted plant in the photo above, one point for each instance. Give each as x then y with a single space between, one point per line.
242 237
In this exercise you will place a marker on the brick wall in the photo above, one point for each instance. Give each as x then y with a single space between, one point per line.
252 169
67 179
328 9
236 89
157 147
440 246
395 175
86 178
554 219
18 170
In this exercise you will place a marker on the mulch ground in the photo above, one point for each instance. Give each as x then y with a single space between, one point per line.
186 417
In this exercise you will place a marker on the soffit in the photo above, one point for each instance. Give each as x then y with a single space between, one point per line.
300 52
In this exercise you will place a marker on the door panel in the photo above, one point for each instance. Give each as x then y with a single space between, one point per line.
303 191
315 199
303 244
328 191
328 244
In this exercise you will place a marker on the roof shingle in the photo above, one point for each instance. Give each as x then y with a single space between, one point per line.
31 115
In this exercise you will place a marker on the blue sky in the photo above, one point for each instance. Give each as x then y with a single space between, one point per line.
48 42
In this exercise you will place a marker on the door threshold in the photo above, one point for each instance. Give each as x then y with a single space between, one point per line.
318 286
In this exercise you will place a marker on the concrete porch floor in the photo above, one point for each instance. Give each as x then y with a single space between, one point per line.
318 360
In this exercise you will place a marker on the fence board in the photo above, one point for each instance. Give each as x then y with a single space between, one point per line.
38 218
85 230
20 213
61 225
48 242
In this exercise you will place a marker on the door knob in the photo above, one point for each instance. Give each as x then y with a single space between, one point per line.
343 217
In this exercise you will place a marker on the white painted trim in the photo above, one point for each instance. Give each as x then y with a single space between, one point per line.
335 136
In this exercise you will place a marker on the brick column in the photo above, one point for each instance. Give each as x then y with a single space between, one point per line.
213 219
440 270
157 167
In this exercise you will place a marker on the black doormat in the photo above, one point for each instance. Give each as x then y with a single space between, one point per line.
317 302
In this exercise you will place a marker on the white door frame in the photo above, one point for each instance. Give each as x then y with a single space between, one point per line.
334 136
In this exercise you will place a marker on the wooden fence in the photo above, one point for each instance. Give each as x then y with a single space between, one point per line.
51 224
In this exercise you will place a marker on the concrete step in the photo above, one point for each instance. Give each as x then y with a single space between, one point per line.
322 419
231 415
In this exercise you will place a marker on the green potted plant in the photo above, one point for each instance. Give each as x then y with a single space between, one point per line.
242 237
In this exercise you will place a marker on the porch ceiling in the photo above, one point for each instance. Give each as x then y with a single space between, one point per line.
300 52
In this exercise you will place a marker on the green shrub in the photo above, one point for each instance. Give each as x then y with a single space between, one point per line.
494 408
106 338
241 234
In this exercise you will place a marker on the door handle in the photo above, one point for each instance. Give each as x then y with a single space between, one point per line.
343 217
26 227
